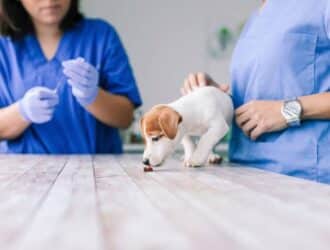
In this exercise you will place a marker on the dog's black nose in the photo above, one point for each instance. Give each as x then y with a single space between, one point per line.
146 161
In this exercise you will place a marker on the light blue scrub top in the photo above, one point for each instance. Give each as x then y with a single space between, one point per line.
72 129
284 53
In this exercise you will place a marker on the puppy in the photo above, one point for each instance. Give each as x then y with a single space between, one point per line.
206 112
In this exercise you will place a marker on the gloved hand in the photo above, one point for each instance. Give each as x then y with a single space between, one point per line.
38 105
83 78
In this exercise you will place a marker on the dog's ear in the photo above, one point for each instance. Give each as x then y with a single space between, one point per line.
169 121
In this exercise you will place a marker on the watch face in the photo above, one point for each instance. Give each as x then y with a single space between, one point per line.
294 107
291 112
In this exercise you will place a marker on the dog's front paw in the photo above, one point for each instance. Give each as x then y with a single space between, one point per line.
186 163
186 160
195 162
214 159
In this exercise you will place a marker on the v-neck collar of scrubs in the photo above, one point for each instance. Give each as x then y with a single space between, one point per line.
38 57
263 5
263 10
39 63
264 19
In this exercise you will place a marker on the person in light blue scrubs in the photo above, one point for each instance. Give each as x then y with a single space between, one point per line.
280 80
66 84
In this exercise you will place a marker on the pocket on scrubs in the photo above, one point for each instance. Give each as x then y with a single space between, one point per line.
293 154
285 67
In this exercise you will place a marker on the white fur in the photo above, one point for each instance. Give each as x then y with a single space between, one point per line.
206 112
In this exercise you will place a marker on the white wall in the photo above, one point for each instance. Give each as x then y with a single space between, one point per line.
166 39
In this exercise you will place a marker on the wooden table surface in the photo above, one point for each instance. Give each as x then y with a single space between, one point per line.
108 202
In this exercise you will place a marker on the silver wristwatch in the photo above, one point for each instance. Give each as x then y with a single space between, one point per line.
292 110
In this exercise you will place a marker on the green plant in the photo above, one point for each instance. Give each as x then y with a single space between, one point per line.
225 37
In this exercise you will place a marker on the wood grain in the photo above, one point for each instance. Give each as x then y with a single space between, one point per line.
68 217
107 202
20 200
130 219
200 229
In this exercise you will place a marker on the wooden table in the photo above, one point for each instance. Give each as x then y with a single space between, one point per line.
107 202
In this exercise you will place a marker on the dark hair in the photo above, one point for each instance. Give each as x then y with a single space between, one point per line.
15 22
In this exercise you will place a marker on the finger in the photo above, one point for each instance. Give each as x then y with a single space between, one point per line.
78 61
187 86
87 66
75 77
47 112
249 126
243 118
78 68
45 93
68 62
46 105
71 62
224 87
79 93
52 102
83 63
193 81
202 79
183 92
77 85
255 133
242 109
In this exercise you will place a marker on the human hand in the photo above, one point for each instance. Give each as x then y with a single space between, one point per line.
258 117
83 78
38 105
197 80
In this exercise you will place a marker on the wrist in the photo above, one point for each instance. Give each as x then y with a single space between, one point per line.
308 110
23 112
90 99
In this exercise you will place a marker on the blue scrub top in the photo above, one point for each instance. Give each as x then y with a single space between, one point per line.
72 129
284 53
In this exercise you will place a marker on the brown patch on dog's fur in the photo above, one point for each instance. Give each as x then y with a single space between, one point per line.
160 120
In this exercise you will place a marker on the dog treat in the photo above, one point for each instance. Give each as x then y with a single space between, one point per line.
148 169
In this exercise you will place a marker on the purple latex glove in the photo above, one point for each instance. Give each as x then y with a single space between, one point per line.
83 78
38 105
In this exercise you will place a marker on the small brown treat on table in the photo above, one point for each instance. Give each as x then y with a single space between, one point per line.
148 169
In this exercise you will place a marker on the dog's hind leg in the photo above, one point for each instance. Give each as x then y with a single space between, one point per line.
207 142
189 148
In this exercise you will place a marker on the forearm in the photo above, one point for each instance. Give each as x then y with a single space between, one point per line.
12 123
316 106
113 110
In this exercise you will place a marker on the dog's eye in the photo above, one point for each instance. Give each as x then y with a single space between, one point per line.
156 138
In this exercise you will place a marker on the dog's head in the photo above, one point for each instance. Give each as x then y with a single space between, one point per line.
160 129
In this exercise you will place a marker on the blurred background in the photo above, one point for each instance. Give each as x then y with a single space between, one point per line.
166 40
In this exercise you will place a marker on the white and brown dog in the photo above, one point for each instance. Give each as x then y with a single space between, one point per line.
206 112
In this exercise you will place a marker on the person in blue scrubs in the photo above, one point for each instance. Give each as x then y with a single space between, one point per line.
280 80
66 84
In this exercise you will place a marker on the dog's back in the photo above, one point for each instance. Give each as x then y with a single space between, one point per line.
204 105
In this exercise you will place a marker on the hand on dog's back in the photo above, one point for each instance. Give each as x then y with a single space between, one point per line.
197 80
